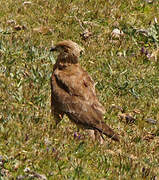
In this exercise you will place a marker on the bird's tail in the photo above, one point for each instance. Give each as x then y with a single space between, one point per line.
106 130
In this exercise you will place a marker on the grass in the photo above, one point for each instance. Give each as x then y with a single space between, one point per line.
127 75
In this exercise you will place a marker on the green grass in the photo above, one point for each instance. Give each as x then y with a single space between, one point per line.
125 77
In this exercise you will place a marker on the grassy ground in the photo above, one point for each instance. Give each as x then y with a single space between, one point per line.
125 67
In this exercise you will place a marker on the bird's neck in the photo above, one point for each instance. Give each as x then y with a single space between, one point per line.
67 58
63 61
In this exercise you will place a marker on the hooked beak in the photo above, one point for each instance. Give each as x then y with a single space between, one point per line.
53 48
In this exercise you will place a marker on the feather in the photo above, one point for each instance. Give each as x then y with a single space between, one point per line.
73 92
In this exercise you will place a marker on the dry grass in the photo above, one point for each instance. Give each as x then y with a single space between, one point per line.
125 68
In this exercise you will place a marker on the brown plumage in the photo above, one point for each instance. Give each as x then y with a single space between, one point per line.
73 92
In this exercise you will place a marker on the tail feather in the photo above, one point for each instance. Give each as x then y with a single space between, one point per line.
106 130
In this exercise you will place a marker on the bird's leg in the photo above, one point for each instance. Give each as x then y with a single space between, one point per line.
58 116
96 136
91 134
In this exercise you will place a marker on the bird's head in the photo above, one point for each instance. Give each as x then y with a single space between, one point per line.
68 49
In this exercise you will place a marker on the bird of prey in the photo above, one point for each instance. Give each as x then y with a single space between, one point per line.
73 92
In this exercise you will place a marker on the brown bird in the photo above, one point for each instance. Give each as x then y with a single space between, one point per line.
73 92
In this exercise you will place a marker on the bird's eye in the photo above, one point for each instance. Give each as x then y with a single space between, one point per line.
65 49
81 53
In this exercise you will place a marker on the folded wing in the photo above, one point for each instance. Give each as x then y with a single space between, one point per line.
74 92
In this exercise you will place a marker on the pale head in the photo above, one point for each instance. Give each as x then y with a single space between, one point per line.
68 47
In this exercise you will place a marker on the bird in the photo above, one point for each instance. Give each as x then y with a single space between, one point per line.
73 92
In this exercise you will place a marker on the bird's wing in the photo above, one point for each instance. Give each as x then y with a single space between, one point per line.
74 93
